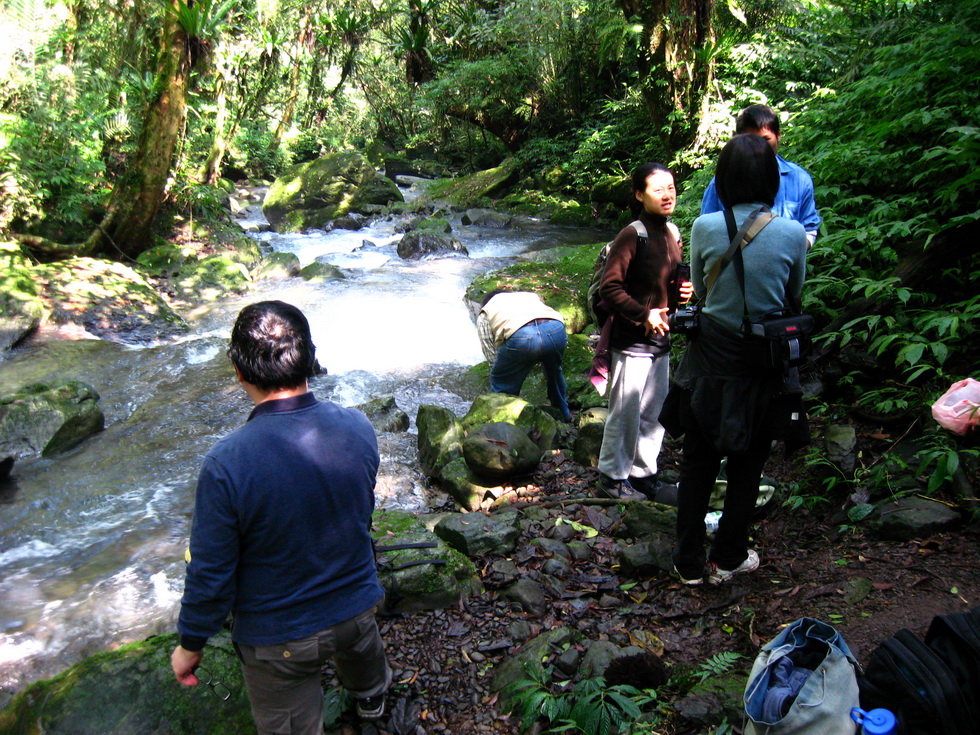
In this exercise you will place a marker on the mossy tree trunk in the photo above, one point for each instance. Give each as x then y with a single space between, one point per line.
675 72
141 190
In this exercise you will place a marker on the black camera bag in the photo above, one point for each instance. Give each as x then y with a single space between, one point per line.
780 340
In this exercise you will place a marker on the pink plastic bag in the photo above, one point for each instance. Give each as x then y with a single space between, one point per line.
958 409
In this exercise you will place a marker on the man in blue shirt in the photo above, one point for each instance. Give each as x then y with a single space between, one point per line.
795 197
280 537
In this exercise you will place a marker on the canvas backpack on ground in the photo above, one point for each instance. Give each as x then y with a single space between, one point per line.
803 682
931 686
597 309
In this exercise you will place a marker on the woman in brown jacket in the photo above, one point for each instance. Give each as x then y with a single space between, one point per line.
635 285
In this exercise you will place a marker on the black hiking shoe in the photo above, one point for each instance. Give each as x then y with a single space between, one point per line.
655 489
618 489
372 708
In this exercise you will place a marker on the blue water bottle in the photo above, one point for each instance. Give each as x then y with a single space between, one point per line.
875 722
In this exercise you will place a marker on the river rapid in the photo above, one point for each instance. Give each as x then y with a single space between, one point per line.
92 541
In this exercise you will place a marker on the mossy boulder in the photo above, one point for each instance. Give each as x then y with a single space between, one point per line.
572 213
165 259
211 278
422 243
493 407
384 414
277 266
439 438
500 450
419 578
133 690
46 419
107 298
318 272
475 189
21 308
310 195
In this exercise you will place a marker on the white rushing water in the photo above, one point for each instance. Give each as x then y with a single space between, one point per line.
92 541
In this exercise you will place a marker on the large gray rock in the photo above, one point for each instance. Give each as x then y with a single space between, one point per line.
421 243
913 517
211 278
647 557
500 450
528 594
411 580
647 520
133 690
474 534
839 443
588 443
318 272
466 488
45 419
310 195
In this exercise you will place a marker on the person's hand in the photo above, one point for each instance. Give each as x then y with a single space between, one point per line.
686 291
183 662
656 323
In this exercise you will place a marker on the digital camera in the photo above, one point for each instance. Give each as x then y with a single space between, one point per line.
685 321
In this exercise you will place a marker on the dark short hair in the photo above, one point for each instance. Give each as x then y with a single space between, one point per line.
747 171
757 117
639 182
272 347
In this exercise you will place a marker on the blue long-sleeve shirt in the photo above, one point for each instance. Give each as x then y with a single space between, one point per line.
794 200
280 535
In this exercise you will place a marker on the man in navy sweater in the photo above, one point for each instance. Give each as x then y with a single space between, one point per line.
280 537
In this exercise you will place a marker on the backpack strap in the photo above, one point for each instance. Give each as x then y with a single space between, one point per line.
751 227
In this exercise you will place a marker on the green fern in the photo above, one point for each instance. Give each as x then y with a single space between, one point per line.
718 664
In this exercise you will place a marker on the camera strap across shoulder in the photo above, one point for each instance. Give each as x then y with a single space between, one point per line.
741 237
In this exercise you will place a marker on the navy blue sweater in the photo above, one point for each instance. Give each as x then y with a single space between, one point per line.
280 535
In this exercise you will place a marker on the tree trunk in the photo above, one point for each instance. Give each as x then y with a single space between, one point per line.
674 77
212 167
141 190
294 74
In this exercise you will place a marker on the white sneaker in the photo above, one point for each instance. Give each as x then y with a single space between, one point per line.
717 575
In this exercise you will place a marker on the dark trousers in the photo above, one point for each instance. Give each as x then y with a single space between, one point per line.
543 342
700 464
283 680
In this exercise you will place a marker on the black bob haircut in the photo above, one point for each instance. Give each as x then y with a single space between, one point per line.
756 117
272 347
747 171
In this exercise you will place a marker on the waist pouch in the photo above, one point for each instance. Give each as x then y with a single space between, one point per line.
779 340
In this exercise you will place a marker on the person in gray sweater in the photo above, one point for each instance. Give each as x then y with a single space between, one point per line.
722 403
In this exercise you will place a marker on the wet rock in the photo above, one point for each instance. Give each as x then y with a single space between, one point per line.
486 218
598 655
21 308
384 415
519 630
913 517
475 534
318 272
568 662
500 450
133 690
277 265
421 243
353 222
579 550
46 419
310 195
466 488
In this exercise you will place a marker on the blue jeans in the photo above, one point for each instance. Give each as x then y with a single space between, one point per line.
540 341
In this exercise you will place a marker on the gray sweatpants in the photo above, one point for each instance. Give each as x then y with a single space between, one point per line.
633 435
283 680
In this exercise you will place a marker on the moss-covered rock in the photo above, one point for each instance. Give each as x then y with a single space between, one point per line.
475 189
46 419
572 213
493 407
311 194
164 259
133 690
411 580
108 299
317 272
21 308
276 266
211 278
439 438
